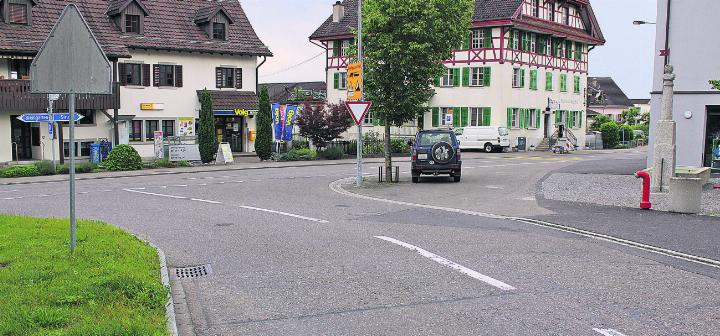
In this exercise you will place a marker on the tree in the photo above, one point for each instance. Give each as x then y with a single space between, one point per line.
322 124
206 129
263 142
715 84
599 120
629 116
406 42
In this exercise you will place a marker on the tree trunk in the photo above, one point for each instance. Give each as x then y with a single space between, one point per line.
388 154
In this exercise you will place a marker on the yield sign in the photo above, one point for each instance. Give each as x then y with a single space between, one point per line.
358 110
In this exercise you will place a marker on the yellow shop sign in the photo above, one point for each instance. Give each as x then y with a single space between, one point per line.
151 106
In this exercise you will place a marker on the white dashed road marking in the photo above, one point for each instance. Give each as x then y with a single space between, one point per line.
205 201
460 268
609 332
284 214
154 194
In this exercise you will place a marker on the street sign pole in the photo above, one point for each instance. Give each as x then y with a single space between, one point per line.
359 126
51 129
71 109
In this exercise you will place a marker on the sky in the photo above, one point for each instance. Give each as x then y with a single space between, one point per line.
284 25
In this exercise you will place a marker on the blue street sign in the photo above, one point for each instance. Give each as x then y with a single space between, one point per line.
43 117
50 129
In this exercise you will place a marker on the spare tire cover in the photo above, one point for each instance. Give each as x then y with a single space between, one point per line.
443 152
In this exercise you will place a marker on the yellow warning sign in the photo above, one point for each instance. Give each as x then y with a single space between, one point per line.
354 82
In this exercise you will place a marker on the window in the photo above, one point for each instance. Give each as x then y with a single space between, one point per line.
135 130
88 117
515 118
576 86
551 11
227 77
477 76
167 75
132 24
515 39
578 51
82 151
150 127
533 43
532 118
566 15
548 81
568 49
518 80
345 46
444 113
133 73
535 8
168 128
477 38
343 81
548 45
368 120
18 13
479 116
19 69
218 31
448 78
563 82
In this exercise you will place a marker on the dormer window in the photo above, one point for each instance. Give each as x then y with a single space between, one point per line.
18 13
218 31
132 24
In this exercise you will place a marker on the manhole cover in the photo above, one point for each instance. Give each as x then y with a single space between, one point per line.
193 271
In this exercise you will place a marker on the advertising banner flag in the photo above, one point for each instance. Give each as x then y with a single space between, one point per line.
277 121
290 115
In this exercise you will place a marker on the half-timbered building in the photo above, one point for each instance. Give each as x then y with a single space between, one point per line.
523 65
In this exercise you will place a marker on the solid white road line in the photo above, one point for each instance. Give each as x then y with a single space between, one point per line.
154 194
284 214
7 191
205 201
609 332
460 268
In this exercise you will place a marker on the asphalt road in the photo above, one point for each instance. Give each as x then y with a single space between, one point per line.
289 255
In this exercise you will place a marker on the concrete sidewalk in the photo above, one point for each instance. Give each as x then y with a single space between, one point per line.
241 163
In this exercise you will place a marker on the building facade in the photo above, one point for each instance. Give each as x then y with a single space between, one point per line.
164 53
696 106
523 65
606 97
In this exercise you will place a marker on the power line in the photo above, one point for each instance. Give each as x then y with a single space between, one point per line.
294 66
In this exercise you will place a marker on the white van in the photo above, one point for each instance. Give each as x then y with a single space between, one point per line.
487 138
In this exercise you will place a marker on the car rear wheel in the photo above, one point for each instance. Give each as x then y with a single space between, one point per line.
488 148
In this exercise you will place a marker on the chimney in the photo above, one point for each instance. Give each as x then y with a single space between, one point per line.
338 11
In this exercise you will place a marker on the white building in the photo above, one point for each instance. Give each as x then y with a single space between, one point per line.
524 65
163 53
694 46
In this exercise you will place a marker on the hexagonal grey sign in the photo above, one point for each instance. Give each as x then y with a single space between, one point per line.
71 59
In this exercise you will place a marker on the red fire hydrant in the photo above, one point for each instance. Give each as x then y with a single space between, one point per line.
645 203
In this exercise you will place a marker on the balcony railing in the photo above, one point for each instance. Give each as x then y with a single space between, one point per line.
15 96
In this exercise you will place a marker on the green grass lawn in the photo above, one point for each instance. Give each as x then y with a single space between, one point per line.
110 287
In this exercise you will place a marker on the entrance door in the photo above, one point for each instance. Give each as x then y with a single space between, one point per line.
21 137
547 125
712 131
230 130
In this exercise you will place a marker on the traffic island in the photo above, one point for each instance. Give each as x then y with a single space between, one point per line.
111 286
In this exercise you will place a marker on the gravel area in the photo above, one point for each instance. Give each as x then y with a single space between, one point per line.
615 190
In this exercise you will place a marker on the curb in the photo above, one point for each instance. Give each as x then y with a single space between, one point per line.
187 172
169 305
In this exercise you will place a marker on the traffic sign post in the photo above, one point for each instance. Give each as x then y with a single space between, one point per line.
361 95
70 61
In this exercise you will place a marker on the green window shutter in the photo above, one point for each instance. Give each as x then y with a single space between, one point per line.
335 49
537 118
522 117
509 117
456 116
486 116
466 76
435 117
456 76
527 118
557 116
541 45
488 43
533 79
486 76
567 118
336 82
580 117
548 81
511 41
465 114
522 78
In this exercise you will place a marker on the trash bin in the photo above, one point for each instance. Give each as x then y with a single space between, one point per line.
105 148
95 153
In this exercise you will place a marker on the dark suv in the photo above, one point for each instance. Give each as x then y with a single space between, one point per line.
436 152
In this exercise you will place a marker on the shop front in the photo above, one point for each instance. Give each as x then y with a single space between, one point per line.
234 113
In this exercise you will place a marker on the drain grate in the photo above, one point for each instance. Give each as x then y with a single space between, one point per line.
193 271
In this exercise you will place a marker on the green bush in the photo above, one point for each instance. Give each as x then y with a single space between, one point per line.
123 157
20 171
332 153
300 144
610 134
398 145
304 154
164 163
45 167
628 130
85 167
182 164
63 169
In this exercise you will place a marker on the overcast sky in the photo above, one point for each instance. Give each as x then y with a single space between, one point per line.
284 25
